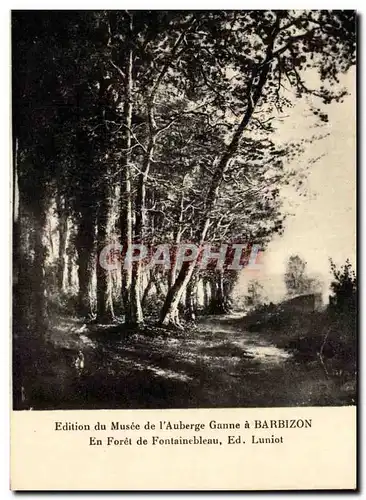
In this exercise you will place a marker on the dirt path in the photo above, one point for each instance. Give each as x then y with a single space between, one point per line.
215 364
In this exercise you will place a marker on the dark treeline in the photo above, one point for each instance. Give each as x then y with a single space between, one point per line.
153 127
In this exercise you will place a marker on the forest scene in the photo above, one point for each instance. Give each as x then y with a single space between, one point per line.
150 178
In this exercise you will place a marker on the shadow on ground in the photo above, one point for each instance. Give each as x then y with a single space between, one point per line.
216 364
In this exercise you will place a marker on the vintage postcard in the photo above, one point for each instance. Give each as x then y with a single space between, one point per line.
184 250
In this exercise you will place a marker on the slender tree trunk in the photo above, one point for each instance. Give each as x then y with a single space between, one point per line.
190 301
84 242
105 313
196 301
126 194
170 313
177 239
137 317
126 232
140 199
63 233
218 304
206 295
84 277
212 285
70 251
228 288
38 273
147 290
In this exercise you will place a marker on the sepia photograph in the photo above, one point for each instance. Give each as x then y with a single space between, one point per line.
184 209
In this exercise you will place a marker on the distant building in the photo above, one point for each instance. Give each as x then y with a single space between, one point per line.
304 303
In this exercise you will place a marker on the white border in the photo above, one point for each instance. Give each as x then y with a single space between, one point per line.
5 150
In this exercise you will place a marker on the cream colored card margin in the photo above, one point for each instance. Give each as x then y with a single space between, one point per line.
320 457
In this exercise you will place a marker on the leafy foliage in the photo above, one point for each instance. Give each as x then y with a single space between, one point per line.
296 279
344 288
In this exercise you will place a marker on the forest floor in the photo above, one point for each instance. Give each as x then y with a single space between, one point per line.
214 364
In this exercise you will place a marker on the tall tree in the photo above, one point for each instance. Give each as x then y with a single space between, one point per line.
296 279
264 48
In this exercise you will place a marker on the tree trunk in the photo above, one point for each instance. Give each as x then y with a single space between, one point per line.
62 231
170 313
147 290
70 265
206 296
84 241
219 304
70 251
177 239
137 317
38 272
126 194
32 345
140 199
105 313
126 237
190 312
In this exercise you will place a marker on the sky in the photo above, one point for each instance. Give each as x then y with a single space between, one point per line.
322 224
